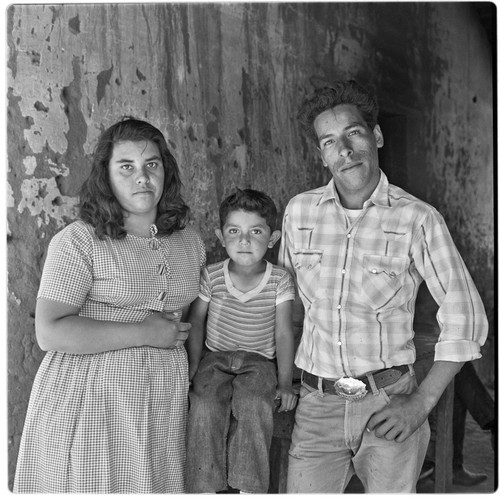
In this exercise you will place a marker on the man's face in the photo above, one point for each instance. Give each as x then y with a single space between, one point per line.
348 148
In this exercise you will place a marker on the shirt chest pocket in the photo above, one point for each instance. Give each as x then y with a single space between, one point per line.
383 280
307 267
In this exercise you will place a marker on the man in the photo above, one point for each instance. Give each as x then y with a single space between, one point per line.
359 248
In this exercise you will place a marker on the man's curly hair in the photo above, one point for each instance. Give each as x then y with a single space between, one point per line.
98 205
337 93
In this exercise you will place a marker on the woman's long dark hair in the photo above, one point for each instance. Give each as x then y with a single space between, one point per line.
98 205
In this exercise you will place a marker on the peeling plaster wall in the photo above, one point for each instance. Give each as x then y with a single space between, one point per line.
224 81
451 155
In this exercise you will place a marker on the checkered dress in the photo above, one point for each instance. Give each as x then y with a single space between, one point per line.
111 422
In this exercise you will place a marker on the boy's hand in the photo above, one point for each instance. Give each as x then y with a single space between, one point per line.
192 370
288 399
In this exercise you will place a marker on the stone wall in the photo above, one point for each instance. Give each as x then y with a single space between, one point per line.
223 81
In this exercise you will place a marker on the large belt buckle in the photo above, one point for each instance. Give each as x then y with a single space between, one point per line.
350 388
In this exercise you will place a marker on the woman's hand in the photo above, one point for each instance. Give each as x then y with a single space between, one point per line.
163 330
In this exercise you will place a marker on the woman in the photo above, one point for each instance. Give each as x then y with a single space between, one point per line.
107 412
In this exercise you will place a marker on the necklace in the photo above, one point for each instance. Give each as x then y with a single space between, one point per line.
154 243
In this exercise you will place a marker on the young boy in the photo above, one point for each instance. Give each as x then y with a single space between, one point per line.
245 304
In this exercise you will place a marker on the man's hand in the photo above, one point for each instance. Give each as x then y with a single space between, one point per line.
400 418
407 412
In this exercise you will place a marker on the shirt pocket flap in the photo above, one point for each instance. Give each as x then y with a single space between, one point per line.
307 259
390 265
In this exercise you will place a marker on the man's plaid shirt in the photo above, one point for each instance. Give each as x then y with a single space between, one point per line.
358 282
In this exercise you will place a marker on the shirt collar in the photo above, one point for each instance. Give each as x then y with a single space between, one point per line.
330 193
380 196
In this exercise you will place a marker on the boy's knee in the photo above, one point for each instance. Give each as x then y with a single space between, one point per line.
255 404
206 400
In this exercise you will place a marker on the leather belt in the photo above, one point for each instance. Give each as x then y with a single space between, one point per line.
382 379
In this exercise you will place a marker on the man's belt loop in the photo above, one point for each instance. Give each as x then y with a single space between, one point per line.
373 386
320 386
412 370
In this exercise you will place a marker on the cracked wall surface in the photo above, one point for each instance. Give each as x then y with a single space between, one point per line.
223 81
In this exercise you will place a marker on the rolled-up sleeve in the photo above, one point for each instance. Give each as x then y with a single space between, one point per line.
461 315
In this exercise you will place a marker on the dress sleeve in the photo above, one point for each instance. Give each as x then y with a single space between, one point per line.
461 316
68 271
202 251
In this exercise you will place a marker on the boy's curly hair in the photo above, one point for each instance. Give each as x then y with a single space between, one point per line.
252 201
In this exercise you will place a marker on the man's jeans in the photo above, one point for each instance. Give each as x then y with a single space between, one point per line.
330 443
231 423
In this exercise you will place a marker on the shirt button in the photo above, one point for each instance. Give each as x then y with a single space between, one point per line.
339 307
339 343
348 235
343 271
374 270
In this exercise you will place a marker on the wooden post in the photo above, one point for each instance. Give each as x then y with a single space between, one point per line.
444 441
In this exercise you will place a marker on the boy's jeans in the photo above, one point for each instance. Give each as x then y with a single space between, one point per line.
230 423
330 443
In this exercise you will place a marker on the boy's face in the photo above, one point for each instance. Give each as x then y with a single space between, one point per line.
246 237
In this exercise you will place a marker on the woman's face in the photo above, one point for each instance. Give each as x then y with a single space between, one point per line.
136 176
